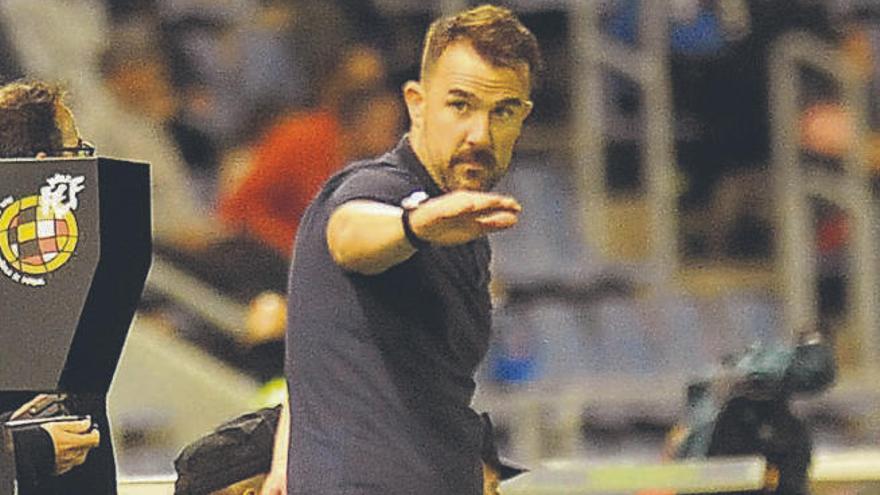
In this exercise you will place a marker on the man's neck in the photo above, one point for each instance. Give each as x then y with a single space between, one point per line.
417 144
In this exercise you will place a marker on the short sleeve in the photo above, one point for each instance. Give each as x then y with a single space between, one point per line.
385 184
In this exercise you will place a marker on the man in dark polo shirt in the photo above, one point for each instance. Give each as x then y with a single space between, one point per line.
389 302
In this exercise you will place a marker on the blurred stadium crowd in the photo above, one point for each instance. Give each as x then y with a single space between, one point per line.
243 108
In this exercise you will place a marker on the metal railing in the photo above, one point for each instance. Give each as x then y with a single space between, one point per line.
647 64
585 477
796 185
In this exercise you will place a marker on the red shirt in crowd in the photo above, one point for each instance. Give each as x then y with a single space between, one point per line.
290 164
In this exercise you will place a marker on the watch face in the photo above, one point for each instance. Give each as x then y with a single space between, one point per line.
413 200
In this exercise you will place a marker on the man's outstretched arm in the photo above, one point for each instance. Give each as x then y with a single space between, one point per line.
367 237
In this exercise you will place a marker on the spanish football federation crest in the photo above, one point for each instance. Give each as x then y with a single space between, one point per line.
39 233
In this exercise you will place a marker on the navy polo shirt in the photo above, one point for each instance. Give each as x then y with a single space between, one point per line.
380 368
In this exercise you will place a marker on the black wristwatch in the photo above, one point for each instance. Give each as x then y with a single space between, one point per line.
409 204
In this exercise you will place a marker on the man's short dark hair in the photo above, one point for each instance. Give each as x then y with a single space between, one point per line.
28 118
494 32
236 450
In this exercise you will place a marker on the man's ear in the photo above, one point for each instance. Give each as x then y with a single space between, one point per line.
530 105
414 96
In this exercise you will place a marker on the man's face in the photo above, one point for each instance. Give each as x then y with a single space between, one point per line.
467 115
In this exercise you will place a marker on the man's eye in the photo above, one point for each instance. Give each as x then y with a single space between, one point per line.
503 113
460 106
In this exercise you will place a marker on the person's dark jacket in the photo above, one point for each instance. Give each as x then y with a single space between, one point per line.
35 453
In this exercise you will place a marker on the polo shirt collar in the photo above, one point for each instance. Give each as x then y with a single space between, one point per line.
406 158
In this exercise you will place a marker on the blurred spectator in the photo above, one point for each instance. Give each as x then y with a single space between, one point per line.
235 60
296 154
322 31
131 123
51 47
696 27
725 94
828 133
827 127
261 54
200 152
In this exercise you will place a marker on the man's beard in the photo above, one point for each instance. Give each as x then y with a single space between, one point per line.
485 175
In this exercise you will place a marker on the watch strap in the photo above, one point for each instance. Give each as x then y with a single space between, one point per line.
411 237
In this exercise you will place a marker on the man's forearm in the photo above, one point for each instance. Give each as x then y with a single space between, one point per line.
367 237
